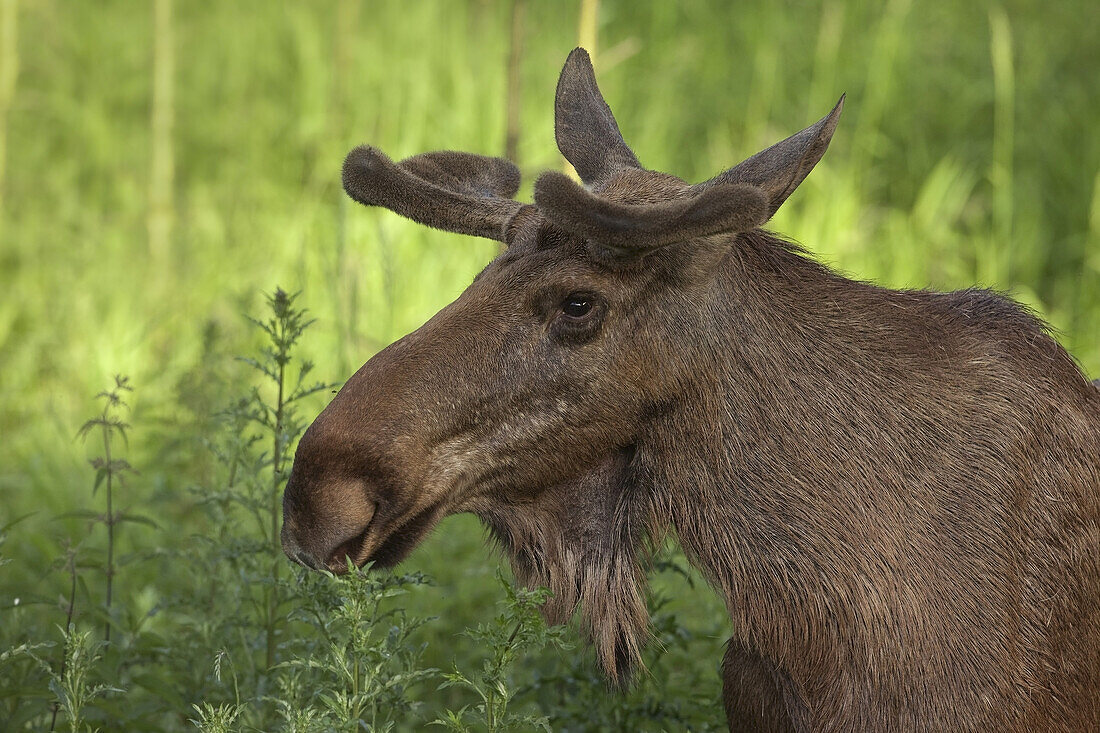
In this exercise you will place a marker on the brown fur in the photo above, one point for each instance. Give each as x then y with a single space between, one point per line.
897 493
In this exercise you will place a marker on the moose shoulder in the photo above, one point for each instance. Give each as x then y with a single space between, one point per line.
897 493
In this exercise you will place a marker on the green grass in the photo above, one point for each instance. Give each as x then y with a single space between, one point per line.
968 154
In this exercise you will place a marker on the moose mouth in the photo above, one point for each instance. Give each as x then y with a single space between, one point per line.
388 551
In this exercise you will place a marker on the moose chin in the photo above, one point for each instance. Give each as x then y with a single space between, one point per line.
897 493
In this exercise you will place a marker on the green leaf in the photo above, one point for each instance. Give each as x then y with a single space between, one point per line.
15 521
130 518
81 514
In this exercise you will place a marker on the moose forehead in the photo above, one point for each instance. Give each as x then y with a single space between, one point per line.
641 186
543 257
542 260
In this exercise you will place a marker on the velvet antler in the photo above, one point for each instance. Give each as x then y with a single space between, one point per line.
734 207
740 199
453 191
779 169
585 130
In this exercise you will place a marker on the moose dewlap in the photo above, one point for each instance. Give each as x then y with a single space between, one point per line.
897 493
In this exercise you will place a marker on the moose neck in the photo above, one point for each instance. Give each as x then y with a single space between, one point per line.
717 466
755 463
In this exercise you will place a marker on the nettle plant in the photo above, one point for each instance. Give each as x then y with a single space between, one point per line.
110 472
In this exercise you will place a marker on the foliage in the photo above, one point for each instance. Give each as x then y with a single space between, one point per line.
72 685
279 419
358 667
109 471
517 629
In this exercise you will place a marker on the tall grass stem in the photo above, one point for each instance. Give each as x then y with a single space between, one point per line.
515 87
999 258
162 164
9 72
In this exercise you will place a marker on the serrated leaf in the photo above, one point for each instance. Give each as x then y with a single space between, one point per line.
135 519
15 521
80 514
100 474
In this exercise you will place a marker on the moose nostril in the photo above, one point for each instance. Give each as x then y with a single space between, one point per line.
353 548
322 525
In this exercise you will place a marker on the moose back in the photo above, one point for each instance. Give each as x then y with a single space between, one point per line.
897 493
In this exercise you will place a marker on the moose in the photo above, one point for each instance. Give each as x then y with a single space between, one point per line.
896 492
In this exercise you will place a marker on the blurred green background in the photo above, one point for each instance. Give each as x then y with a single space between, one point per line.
162 165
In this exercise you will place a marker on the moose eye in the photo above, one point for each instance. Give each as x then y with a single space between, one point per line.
577 318
577 306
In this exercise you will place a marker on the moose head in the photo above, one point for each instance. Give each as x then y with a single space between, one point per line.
523 400
849 466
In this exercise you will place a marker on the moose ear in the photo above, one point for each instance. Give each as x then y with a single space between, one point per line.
779 169
584 127
456 192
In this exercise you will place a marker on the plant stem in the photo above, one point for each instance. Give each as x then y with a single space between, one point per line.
68 625
276 473
355 691
110 527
